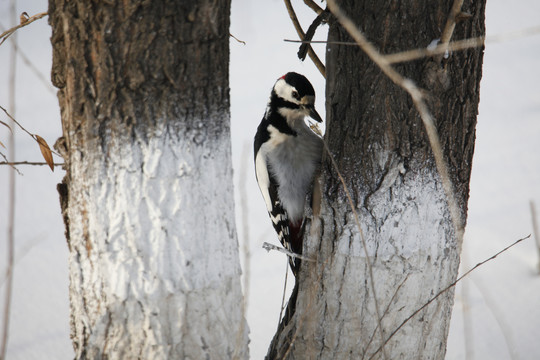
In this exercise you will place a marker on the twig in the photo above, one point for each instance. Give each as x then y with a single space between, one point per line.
32 163
237 39
267 246
458 45
33 67
536 233
314 6
284 291
445 290
386 311
415 54
320 19
6 162
451 22
33 136
313 56
10 31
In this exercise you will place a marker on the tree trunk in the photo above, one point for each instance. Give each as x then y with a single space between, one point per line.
148 197
379 143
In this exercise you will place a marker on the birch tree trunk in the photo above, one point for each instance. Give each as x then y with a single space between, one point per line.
379 143
147 198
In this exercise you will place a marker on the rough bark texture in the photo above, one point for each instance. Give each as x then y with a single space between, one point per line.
379 142
147 198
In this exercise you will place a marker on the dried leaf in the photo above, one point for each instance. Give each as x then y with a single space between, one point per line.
45 151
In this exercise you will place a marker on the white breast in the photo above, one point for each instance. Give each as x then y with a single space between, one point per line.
293 163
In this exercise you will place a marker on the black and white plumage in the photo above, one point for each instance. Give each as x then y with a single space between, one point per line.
287 156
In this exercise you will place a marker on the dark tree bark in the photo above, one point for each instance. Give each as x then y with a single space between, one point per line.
144 97
380 145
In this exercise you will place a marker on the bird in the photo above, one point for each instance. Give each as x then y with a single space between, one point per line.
287 158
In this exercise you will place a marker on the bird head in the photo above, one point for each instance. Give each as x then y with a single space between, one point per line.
295 96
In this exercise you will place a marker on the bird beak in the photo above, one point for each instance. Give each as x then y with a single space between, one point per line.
314 114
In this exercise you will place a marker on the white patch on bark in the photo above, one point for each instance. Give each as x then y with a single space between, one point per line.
154 262
412 247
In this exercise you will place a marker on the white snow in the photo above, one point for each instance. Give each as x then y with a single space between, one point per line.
503 295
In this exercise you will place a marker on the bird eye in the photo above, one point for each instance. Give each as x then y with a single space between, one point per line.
296 95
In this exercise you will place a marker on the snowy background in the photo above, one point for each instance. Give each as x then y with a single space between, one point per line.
497 311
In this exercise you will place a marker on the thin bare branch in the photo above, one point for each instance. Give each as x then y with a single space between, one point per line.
312 55
386 310
314 6
536 232
33 67
414 54
310 33
32 163
446 289
267 246
33 136
10 31
237 39
458 45
16 122
284 291
451 22
7 162
440 49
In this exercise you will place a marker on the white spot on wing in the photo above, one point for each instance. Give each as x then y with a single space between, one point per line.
276 219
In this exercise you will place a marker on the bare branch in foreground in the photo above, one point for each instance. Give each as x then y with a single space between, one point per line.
451 22
28 21
35 70
32 163
458 45
313 56
536 233
37 138
445 290
237 39
267 246
414 54
6 162
314 6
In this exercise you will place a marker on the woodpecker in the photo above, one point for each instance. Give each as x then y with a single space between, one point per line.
287 157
